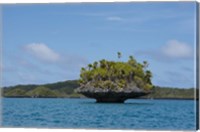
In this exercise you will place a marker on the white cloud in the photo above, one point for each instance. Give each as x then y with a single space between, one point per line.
173 50
42 52
176 49
114 18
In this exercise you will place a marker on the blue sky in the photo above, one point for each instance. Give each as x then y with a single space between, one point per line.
46 43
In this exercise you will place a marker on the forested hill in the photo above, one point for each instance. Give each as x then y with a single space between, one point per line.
59 89
66 90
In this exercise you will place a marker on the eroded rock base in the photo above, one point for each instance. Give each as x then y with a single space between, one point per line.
113 97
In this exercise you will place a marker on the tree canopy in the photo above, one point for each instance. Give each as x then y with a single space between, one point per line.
106 74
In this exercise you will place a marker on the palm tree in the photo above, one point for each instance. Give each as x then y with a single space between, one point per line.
82 69
132 61
95 64
131 57
89 66
119 55
145 64
103 63
148 76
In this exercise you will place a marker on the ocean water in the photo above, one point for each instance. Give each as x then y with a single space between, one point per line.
85 113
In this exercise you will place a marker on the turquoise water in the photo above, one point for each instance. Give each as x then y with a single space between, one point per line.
85 113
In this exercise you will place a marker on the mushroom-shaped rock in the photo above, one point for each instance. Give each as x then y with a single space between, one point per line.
115 81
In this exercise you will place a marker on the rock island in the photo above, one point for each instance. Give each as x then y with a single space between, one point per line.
115 81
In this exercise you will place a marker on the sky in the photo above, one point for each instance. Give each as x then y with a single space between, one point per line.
47 43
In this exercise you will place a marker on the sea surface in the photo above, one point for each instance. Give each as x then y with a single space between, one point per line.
85 113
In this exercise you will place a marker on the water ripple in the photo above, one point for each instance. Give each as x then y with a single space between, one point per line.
85 113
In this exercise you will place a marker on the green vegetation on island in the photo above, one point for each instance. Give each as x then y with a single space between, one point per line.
54 90
172 93
115 81
116 75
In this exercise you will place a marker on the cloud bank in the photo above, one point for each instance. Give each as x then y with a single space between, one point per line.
42 52
176 49
172 50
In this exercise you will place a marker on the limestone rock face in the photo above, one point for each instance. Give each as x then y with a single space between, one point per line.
112 96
